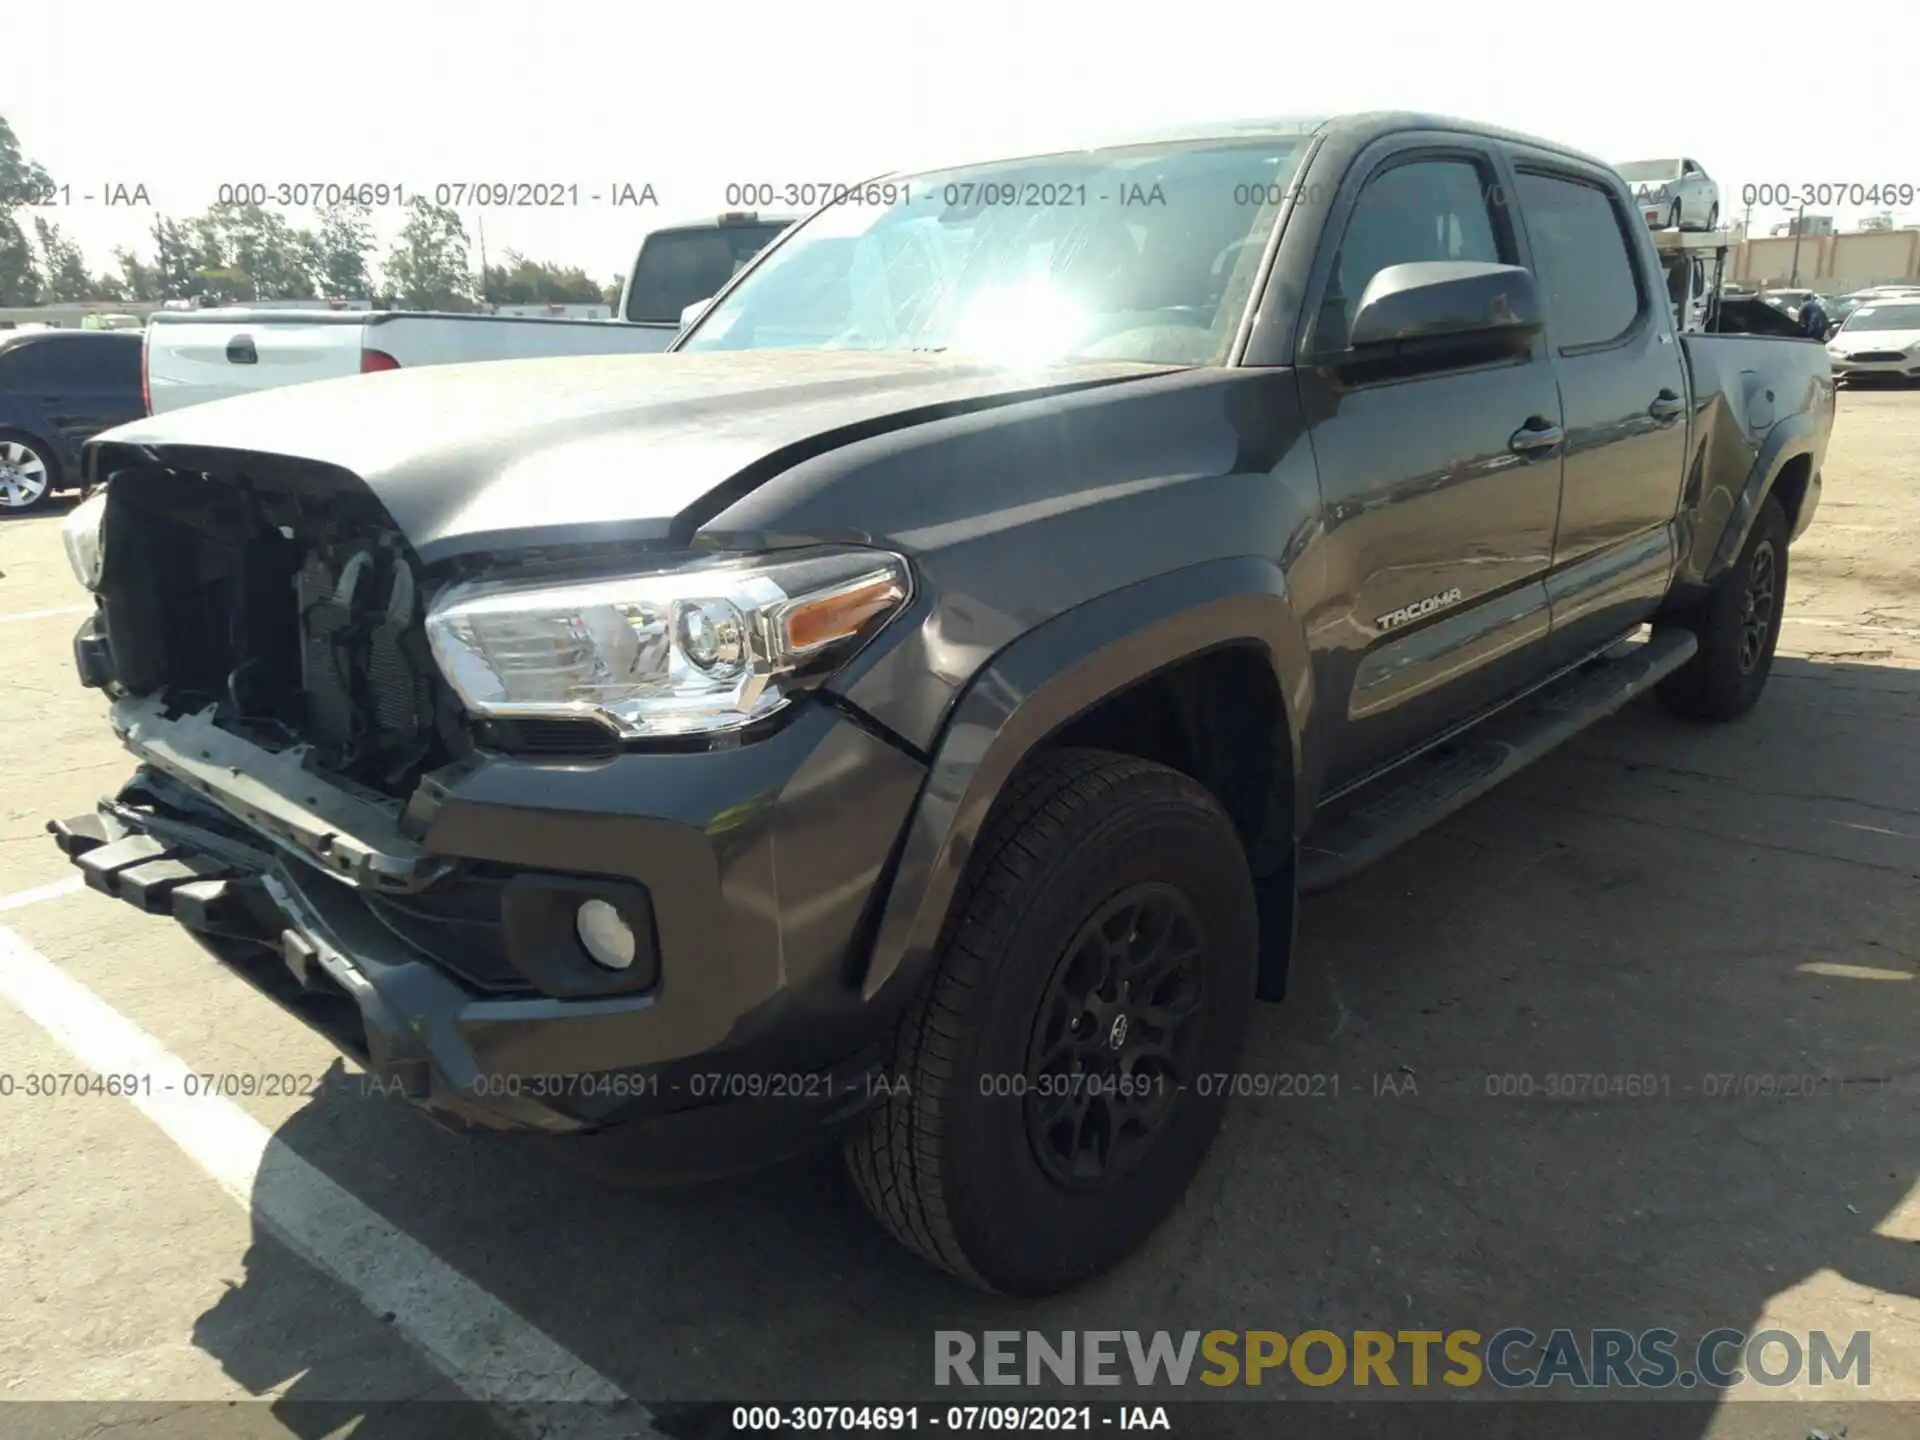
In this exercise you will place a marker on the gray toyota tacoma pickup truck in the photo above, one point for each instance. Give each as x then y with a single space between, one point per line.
908 713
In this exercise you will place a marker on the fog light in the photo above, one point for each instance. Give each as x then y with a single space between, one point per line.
606 935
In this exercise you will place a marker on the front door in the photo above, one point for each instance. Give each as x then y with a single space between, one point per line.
1440 486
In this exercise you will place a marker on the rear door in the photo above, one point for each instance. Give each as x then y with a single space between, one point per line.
1623 385
192 360
1440 484
80 383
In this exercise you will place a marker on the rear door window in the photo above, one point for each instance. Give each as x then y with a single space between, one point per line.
1581 258
57 363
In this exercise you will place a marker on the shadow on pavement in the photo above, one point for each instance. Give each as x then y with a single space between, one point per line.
1729 916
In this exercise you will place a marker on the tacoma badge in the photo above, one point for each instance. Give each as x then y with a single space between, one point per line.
1394 619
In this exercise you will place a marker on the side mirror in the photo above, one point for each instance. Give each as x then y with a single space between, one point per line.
1433 300
694 311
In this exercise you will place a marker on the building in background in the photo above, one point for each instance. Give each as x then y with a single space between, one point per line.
1832 264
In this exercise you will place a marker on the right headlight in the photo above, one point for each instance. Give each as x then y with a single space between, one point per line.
692 649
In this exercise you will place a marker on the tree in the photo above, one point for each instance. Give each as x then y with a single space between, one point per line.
19 274
341 248
136 281
63 269
214 276
427 269
259 253
23 182
520 281
611 295
176 260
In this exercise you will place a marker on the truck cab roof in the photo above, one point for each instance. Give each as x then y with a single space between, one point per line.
681 265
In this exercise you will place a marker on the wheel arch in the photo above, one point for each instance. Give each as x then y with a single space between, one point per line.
1784 469
1214 628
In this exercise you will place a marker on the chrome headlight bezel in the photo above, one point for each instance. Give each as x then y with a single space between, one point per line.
698 647
84 535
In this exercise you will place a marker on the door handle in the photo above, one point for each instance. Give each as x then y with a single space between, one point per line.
1535 438
1667 407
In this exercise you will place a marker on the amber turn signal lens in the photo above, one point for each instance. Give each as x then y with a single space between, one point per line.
845 613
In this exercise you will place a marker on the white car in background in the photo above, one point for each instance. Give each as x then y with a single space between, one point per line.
1881 337
1673 194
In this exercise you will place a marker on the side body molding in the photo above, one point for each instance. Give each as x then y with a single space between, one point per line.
1047 678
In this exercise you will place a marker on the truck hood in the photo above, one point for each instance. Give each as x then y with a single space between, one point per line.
515 453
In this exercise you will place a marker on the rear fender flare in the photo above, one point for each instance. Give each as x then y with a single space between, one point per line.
1044 680
1785 443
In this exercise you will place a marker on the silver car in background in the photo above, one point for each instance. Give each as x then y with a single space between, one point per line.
1673 194
1879 338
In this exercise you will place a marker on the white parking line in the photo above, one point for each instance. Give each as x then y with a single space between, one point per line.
53 891
483 1346
44 614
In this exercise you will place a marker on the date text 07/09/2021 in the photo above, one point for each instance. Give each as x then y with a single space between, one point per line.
908 1419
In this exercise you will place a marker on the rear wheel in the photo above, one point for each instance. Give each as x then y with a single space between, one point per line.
27 474
1737 625
1056 1078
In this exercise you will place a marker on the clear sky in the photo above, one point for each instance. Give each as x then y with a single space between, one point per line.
185 95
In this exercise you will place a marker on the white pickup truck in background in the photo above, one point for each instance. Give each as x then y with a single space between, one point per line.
193 356
678 268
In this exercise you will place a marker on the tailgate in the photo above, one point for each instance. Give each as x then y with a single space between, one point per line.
194 359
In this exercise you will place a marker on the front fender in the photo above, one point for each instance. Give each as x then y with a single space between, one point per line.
1045 679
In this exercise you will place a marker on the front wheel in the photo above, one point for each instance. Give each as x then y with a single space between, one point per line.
26 475
1058 1082
1737 625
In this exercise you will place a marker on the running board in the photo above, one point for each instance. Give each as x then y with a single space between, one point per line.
1390 811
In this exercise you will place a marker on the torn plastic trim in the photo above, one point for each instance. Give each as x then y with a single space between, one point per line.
275 794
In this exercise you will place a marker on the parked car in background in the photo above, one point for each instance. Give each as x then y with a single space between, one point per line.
932 685
1673 194
194 356
1841 306
58 389
683 265
1879 338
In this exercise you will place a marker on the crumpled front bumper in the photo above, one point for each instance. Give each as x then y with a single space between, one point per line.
736 1056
